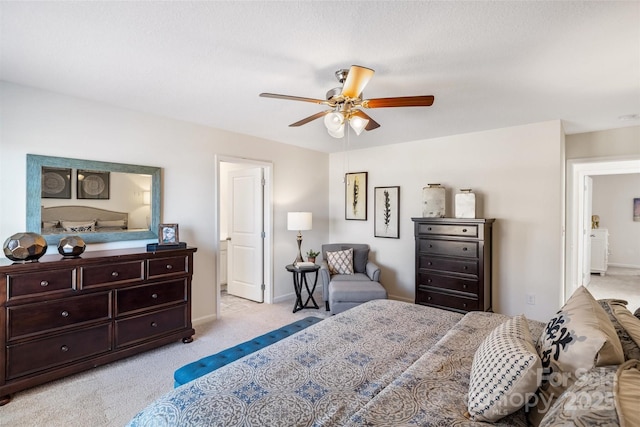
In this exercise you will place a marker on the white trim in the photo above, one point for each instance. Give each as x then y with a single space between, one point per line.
577 170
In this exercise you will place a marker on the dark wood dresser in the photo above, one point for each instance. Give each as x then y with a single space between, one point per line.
453 263
61 316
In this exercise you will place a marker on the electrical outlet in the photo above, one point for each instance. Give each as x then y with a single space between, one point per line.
531 299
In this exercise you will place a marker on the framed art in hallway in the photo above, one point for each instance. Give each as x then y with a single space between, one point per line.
636 209
386 212
355 188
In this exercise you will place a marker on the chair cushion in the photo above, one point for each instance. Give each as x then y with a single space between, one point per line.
340 262
356 291
350 277
360 258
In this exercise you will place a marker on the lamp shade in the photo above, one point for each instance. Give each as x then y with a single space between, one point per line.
298 221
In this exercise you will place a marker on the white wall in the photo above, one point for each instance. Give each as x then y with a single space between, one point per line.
613 201
517 172
39 122
607 143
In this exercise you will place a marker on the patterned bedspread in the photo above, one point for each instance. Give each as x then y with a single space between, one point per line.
433 391
322 376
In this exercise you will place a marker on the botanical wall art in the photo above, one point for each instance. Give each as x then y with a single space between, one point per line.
387 212
356 196
56 183
93 184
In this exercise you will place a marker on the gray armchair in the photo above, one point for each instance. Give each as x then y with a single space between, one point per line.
344 291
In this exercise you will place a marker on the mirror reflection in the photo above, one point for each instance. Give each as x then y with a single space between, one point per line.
98 201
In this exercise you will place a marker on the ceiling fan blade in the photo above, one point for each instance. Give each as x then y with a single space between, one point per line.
372 123
357 79
310 118
294 98
402 101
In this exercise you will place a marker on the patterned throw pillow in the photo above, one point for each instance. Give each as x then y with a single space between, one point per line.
504 374
626 324
78 227
340 262
578 338
603 396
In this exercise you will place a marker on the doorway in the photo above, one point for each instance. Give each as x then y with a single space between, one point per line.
579 172
245 256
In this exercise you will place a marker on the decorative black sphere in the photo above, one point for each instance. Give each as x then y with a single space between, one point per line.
71 246
25 247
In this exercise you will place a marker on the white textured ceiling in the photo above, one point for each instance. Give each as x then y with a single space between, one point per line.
488 64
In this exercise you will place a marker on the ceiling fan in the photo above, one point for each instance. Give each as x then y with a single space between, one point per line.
346 101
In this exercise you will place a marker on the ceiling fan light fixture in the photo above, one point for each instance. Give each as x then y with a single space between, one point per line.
339 133
358 124
334 121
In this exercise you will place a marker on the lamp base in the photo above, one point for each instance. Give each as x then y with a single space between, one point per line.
299 257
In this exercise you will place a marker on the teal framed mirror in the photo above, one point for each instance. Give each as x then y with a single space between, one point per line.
98 201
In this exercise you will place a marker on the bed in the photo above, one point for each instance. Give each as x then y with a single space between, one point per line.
383 363
81 219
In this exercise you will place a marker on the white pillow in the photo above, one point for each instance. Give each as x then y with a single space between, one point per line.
113 223
340 262
505 372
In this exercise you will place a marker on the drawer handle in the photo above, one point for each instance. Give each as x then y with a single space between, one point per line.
64 348
428 298
429 228
169 266
429 263
465 268
465 248
429 280
115 274
154 324
430 246
464 286
44 283
65 313
464 230
154 296
464 304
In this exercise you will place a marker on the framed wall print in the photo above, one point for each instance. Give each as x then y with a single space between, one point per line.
386 212
92 184
355 187
56 183
168 234
636 209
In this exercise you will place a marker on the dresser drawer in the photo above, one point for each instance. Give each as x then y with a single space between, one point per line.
41 282
140 328
167 266
449 248
142 297
448 230
38 355
45 316
454 265
443 300
123 272
448 282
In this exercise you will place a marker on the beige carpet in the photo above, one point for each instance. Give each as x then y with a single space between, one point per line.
111 395
618 282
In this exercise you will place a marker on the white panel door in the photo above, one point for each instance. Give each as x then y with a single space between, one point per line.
586 230
246 226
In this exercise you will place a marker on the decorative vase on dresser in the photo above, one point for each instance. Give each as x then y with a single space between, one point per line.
453 263
60 316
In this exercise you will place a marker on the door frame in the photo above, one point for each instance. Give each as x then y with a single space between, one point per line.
267 263
577 170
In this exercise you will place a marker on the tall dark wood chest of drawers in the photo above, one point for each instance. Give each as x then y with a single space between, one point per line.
61 316
453 263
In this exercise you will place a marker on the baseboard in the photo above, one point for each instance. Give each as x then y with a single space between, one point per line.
615 264
403 299
204 319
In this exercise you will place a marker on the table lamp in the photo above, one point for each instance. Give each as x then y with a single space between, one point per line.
299 221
